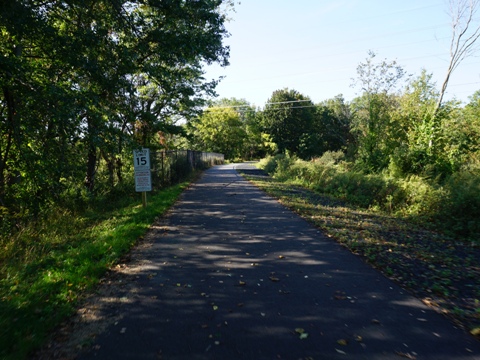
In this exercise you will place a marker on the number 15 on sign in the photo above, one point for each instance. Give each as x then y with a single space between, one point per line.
141 159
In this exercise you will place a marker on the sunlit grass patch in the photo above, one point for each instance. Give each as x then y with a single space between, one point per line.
46 267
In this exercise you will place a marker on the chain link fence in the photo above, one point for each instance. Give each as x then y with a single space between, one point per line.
172 166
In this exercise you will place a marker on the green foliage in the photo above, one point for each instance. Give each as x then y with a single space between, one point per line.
298 127
452 206
230 127
269 163
420 151
48 265
330 158
288 118
405 132
335 119
220 130
375 133
84 82
459 212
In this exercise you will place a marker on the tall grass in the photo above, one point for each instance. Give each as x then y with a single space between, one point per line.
451 206
47 265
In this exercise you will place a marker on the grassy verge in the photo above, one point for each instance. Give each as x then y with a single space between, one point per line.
46 268
442 271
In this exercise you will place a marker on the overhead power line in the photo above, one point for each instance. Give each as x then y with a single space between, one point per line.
287 102
218 108
270 103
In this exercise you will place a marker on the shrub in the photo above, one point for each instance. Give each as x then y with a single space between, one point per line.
418 198
330 158
461 211
269 164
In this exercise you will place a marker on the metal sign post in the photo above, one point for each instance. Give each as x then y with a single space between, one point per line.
143 176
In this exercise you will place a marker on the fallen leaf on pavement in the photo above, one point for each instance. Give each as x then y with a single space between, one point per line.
405 355
475 332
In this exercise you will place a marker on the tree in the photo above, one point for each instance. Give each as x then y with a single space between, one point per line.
372 124
253 146
79 79
465 34
220 129
38 108
462 135
336 126
472 130
414 114
287 119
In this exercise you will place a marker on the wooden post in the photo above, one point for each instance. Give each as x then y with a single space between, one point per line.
144 199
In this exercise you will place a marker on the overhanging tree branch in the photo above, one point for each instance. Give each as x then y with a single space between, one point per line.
465 33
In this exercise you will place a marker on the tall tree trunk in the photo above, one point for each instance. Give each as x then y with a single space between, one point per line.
91 168
91 157
12 130
12 135
110 161
465 33
119 165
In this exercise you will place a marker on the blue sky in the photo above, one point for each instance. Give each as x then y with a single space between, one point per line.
315 46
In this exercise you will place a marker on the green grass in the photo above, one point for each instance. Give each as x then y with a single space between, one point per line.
46 267
441 270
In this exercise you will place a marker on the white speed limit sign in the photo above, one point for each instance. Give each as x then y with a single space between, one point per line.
141 159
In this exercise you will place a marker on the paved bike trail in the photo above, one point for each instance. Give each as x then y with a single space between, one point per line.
232 274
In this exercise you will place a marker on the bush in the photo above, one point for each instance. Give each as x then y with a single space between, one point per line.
460 212
330 158
269 164
418 198
277 165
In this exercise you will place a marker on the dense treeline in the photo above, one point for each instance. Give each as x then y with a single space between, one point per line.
399 132
85 82
393 147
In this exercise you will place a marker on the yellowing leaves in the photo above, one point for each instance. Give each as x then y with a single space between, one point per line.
342 342
475 332
301 333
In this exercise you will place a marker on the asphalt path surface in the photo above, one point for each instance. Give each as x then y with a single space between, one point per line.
232 274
